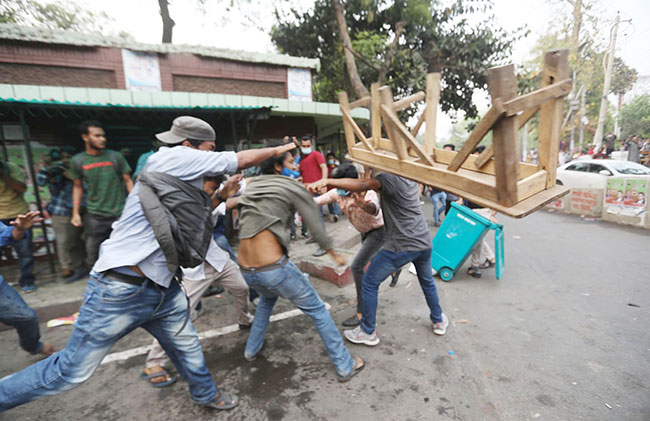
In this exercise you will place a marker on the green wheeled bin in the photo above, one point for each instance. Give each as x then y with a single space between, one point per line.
461 230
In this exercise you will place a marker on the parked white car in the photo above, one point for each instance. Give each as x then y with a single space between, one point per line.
593 173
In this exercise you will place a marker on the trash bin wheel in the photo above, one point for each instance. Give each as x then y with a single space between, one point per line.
446 274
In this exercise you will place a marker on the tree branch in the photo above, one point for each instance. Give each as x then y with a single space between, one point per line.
399 29
365 60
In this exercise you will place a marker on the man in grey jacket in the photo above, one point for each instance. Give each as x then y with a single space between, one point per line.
131 285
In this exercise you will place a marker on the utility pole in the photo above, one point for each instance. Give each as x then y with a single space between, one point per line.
583 119
598 137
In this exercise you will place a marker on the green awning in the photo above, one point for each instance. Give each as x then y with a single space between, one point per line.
121 98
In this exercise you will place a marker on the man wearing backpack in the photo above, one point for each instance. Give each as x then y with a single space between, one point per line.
106 175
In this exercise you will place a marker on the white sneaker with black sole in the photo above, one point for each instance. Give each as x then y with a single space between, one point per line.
358 336
440 328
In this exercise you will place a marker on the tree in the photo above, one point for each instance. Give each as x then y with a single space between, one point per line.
400 41
587 64
635 117
61 14
167 21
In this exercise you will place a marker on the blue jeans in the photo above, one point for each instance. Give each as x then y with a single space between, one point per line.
382 265
439 201
25 256
110 310
15 312
222 242
290 283
334 208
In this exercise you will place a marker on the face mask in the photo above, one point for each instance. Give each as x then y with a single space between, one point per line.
305 151
331 162
342 192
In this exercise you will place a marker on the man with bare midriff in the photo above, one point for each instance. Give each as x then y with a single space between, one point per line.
265 212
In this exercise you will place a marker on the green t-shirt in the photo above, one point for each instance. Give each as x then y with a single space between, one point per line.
12 203
105 190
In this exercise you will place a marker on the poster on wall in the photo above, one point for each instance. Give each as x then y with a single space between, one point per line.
141 71
299 84
636 193
615 192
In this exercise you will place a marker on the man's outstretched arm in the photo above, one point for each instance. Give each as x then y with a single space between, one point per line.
251 157
349 184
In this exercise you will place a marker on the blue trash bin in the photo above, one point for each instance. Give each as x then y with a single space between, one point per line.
461 230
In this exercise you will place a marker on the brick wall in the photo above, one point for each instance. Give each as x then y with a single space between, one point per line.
32 74
55 57
229 86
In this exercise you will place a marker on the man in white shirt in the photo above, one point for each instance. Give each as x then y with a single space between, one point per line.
132 286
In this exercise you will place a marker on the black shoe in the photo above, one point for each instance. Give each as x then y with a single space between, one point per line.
353 321
213 290
335 218
320 252
245 327
77 275
293 237
395 277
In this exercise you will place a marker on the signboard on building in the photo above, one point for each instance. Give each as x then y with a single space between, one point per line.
141 71
299 84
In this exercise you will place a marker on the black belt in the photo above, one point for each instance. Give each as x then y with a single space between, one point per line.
272 266
127 279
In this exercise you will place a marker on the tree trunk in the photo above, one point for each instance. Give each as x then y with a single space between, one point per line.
577 23
350 64
168 22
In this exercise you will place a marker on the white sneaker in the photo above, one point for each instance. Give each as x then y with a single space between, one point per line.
358 336
441 327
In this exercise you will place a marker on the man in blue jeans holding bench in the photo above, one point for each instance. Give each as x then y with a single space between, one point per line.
132 286
408 239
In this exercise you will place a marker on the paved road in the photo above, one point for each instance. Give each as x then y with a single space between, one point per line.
562 336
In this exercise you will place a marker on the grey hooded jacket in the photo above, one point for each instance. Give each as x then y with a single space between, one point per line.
179 215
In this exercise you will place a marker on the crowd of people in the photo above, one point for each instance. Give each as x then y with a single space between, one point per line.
151 251
638 150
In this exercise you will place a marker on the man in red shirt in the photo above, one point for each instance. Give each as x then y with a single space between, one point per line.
312 169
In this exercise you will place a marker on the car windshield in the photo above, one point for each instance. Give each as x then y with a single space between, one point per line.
630 168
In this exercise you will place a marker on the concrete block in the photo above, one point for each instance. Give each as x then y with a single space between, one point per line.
325 268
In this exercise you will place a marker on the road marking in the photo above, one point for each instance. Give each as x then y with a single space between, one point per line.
125 355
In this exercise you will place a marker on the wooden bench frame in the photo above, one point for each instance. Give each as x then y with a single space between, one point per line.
496 178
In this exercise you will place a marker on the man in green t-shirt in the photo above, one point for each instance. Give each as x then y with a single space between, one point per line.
12 204
107 179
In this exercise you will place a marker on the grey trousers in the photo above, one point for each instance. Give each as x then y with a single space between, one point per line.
371 243
70 247
231 280
98 229
482 250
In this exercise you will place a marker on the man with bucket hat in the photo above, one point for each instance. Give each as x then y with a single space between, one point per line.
132 286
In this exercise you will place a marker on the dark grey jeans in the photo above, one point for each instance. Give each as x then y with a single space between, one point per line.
371 243
98 229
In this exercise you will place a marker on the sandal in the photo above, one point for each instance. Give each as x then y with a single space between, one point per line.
487 264
354 372
395 277
474 272
223 401
149 377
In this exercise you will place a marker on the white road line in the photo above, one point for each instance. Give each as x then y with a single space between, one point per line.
125 355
